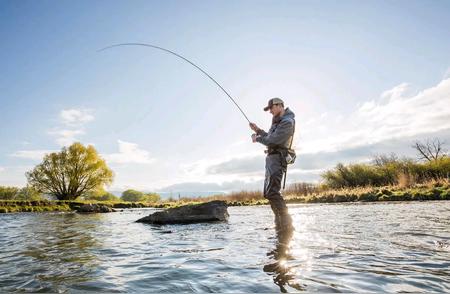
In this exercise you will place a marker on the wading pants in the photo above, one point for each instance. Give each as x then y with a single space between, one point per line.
272 187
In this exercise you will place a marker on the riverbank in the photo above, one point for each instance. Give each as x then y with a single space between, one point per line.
438 191
8 206
433 191
423 192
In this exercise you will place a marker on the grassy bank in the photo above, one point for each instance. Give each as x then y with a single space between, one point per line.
32 206
7 206
436 191
433 190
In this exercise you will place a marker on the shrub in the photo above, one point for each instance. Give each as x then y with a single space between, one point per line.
8 193
28 193
131 195
353 175
403 172
101 195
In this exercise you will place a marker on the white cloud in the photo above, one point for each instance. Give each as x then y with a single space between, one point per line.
427 111
395 114
31 154
248 166
76 117
66 137
447 74
397 92
227 186
129 153
73 121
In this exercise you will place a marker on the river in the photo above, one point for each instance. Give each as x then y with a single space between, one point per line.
356 247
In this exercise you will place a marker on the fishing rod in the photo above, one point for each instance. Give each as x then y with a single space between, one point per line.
185 59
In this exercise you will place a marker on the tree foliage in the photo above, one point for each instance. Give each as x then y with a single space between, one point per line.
101 194
132 195
8 193
28 193
71 173
15 193
138 196
152 197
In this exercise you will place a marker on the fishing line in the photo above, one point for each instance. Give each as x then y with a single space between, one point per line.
185 59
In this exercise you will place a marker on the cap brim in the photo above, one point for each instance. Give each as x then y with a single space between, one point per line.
266 108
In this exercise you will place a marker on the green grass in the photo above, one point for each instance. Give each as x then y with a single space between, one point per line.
32 206
8 206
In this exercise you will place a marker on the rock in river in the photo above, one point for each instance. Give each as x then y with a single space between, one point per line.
94 208
187 214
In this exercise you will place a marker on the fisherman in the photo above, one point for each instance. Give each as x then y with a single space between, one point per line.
278 141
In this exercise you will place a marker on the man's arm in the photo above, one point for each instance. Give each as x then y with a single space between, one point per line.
282 133
258 131
261 133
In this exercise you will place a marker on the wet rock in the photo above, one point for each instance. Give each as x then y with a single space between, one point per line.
187 214
122 205
442 244
94 208
128 205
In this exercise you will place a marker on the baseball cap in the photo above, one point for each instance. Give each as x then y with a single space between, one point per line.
272 102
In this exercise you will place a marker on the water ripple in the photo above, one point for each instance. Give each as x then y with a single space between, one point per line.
379 247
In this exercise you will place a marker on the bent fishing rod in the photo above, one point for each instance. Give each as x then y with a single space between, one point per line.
185 59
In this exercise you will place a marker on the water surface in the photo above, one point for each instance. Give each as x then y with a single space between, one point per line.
393 247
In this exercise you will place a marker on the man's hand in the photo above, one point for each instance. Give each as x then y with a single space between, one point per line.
254 127
254 138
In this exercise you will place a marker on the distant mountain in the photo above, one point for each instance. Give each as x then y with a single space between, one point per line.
175 194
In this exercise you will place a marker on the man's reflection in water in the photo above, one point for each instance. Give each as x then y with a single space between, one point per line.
279 268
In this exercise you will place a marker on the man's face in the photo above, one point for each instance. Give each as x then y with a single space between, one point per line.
276 109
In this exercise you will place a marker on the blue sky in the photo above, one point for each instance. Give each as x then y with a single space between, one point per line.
363 77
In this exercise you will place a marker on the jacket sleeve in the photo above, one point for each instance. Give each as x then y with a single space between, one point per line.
281 134
261 132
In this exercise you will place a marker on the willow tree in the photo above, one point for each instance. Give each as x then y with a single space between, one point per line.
71 173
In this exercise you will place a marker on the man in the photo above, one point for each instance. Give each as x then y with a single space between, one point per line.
278 140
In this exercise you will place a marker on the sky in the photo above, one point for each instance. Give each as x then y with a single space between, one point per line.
363 78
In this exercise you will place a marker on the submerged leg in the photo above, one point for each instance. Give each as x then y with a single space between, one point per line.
272 187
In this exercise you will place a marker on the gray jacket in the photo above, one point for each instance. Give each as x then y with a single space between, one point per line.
280 133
